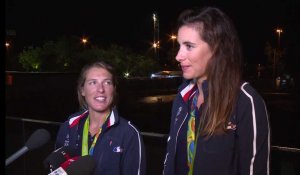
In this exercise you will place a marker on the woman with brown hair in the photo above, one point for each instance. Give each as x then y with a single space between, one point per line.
219 123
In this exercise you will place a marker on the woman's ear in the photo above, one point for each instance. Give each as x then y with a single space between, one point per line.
82 92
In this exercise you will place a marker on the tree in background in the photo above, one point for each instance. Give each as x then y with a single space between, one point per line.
275 61
30 58
68 55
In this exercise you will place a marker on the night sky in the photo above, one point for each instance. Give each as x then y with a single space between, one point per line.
129 23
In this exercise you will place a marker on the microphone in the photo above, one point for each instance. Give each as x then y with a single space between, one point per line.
80 165
36 140
57 157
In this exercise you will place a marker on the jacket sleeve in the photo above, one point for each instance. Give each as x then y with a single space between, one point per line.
169 157
61 135
253 134
134 158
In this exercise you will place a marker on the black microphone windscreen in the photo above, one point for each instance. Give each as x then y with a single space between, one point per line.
57 157
37 139
84 165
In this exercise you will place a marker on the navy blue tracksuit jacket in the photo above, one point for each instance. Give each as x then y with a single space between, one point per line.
243 150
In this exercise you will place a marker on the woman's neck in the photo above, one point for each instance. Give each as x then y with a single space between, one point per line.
96 121
201 96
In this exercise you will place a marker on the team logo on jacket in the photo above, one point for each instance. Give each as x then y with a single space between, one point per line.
66 143
118 149
231 126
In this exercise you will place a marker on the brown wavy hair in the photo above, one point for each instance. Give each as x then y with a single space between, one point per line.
224 69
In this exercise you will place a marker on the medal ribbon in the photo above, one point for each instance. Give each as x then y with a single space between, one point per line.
191 145
85 136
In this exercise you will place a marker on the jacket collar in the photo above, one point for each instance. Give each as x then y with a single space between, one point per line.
188 88
113 118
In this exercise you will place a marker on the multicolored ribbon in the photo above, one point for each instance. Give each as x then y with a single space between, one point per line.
84 150
191 146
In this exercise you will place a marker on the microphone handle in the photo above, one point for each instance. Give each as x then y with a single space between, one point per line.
58 171
16 155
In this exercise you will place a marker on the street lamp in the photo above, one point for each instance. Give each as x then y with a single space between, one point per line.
173 38
155 35
84 40
279 31
277 52
156 45
7 44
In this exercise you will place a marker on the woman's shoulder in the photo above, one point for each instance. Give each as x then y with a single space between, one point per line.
128 126
248 91
75 118
77 114
249 95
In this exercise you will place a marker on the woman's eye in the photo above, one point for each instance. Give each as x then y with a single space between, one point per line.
92 82
108 82
188 46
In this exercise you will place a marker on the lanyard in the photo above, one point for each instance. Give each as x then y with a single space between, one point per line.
85 136
191 143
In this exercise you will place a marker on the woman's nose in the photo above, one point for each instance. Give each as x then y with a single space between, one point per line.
100 87
179 56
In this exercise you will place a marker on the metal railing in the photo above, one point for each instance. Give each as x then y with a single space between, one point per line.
149 134
284 160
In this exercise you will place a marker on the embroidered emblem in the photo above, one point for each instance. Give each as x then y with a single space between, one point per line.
66 143
118 149
231 126
179 111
